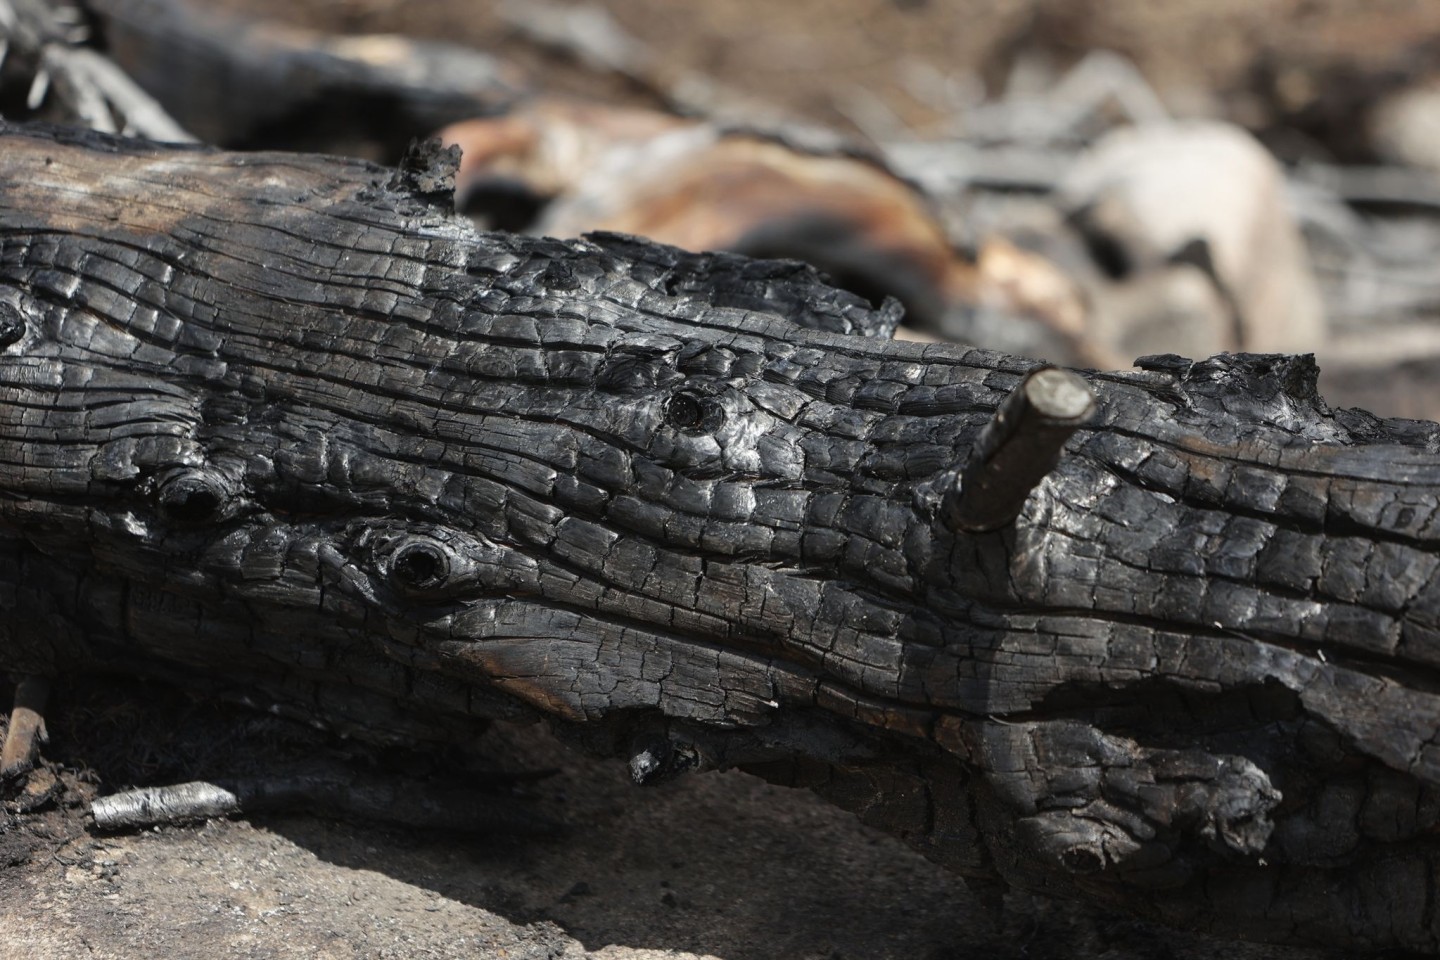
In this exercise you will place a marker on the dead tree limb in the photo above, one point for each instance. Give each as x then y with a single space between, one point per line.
282 428
90 87
239 82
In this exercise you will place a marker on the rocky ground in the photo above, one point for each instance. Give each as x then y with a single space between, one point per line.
717 865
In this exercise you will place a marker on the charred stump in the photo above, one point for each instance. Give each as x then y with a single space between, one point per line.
283 428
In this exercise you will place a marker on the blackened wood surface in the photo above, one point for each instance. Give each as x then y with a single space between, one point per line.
282 428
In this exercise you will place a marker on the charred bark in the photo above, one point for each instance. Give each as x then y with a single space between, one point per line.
283 428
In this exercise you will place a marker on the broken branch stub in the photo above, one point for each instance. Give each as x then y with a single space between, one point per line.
1017 449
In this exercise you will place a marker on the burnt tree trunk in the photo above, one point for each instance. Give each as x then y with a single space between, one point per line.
283 428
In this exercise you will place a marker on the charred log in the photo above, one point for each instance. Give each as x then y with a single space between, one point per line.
283 428
245 83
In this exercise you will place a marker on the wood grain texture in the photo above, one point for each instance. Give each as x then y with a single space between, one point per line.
284 429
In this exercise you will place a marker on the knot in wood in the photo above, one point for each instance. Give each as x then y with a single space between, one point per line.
192 496
693 411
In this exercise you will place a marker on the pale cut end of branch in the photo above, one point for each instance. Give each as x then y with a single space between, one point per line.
1018 448
26 731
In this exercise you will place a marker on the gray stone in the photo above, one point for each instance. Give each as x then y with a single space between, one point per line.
1165 204
1405 126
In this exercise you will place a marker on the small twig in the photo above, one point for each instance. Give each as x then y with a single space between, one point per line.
948 168
38 88
1105 76
1373 186
871 115
143 114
